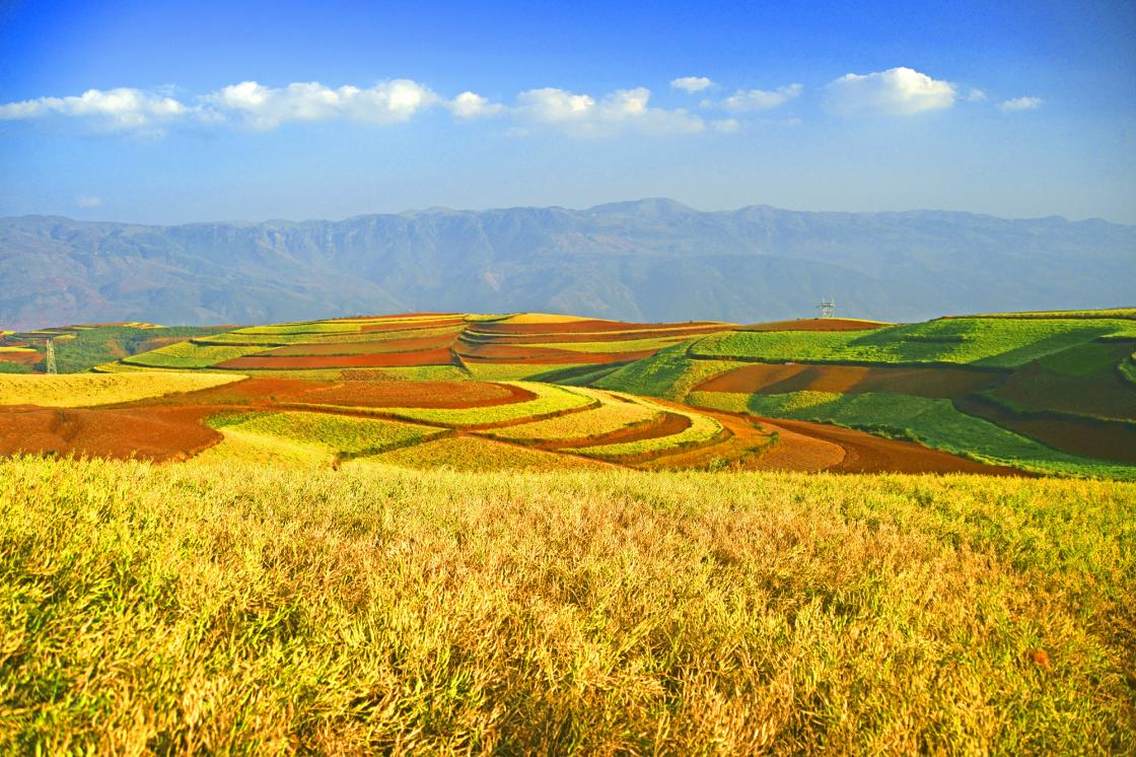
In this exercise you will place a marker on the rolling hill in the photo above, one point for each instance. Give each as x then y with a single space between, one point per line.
647 260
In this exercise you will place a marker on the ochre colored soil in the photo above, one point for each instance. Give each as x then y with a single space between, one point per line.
436 394
408 344
865 453
21 358
944 383
370 360
502 353
816 324
1104 440
150 433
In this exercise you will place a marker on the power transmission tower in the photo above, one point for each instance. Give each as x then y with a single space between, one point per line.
49 360
827 308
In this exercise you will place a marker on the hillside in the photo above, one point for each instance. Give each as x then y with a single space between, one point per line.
646 260
1039 393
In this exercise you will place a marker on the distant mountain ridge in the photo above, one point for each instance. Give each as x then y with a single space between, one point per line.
647 260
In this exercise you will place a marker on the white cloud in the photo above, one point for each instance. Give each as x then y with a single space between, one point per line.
121 108
88 201
975 95
584 115
264 107
726 125
897 91
691 84
1020 103
473 105
761 99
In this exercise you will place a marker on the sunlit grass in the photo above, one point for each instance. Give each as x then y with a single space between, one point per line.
249 609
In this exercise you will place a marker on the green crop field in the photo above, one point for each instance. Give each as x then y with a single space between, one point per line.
249 609
931 422
345 436
989 342
474 454
613 414
190 355
550 400
670 373
702 430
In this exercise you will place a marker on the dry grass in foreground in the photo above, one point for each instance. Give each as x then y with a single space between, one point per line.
251 609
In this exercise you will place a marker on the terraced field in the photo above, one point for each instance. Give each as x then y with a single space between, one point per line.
1040 393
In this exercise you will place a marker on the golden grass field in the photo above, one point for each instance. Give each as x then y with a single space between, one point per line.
249 609
90 389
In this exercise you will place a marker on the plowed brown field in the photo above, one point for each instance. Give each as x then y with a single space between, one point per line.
409 344
1104 440
938 383
502 353
865 453
434 394
21 358
369 360
150 433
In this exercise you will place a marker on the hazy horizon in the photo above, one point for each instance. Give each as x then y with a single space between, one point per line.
571 208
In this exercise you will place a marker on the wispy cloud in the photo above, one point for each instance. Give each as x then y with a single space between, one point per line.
89 201
691 84
621 110
117 109
473 105
897 91
1020 103
761 99
264 107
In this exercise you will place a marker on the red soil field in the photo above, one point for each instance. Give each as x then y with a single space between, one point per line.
409 344
1106 395
1104 440
150 433
815 324
21 358
583 327
372 360
440 394
865 453
937 383
503 353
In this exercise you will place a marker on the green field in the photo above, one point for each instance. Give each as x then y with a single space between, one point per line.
250 609
988 342
344 436
932 422
190 355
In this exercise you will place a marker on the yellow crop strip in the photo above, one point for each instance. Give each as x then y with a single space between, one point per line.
89 389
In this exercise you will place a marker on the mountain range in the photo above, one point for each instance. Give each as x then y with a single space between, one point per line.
650 260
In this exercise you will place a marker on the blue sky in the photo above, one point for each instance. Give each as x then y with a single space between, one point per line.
166 113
